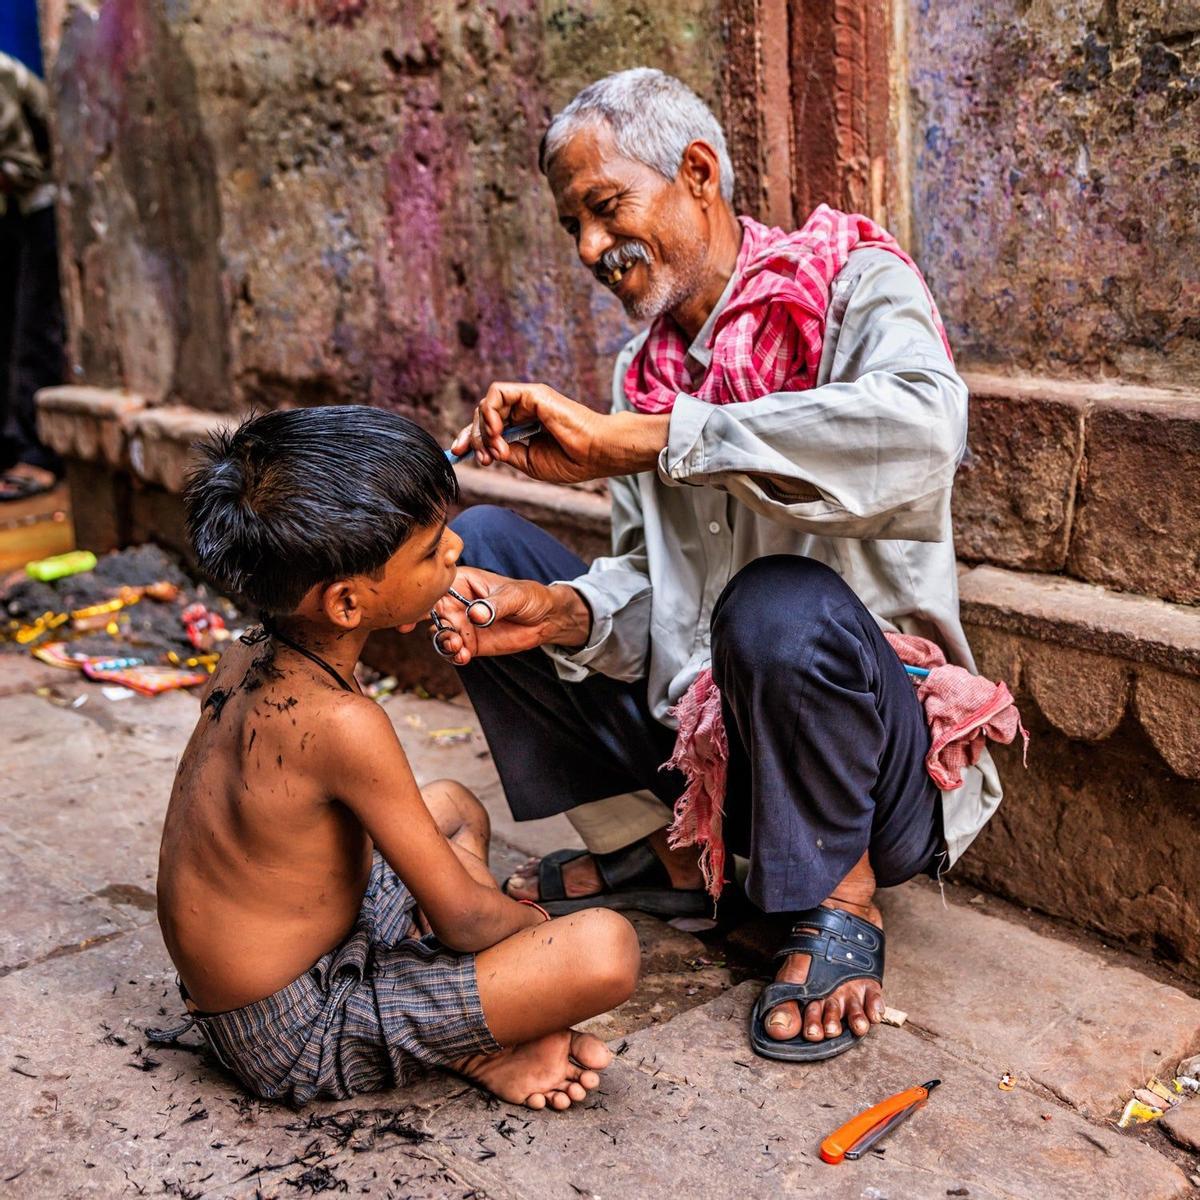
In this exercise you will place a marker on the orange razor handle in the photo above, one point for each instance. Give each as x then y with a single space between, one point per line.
834 1147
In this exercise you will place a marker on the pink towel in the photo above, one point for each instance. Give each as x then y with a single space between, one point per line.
962 711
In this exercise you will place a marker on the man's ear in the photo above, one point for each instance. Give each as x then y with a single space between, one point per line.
339 601
700 171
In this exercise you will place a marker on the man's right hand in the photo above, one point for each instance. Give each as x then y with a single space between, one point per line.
528 614
576 444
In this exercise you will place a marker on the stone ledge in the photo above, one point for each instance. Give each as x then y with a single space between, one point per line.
1087 654
1084 653
87 423
162 442
545 501
1083 616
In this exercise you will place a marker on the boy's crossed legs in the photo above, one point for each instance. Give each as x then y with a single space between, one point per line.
575 966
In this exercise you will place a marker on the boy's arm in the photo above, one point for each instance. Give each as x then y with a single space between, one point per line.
366 769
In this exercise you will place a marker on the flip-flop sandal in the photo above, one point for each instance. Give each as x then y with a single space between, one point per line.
21 487
634 878
841 947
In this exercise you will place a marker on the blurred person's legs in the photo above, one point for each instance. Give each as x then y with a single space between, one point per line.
10 261
35 353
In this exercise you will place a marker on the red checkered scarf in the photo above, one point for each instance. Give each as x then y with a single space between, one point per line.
768 337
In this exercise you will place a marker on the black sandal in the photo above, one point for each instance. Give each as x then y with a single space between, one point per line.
14 486
841 947
634 878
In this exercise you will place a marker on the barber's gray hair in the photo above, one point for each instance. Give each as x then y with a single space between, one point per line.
653 116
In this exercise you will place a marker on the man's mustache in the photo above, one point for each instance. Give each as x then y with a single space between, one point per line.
620 258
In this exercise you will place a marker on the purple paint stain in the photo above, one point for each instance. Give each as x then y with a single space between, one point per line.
332 12
122 37
409 267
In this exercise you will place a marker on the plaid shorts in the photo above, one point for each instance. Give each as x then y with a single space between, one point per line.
368 1015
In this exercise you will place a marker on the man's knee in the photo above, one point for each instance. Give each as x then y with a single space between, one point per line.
486 530
769 604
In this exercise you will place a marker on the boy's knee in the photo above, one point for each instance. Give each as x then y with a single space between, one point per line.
462 801
614 954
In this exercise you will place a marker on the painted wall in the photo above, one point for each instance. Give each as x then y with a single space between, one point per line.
309 201
1056 181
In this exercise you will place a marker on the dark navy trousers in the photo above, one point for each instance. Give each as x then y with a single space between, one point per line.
827 740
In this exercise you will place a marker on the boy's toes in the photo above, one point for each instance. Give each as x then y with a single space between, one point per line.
783 1022
560 1101
589 1080
577 1092
535 1100
589 1051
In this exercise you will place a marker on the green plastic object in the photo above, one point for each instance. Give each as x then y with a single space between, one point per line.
74 562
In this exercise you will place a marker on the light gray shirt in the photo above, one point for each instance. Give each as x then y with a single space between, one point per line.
855 472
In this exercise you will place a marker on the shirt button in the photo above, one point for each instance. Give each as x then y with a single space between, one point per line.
713 527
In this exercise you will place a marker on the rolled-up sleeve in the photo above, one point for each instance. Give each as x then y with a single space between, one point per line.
871 457
617 590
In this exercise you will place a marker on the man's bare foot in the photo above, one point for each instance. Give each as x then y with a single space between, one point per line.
581 878
858 1002
553 1071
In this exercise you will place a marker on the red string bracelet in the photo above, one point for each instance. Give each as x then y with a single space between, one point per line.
532 904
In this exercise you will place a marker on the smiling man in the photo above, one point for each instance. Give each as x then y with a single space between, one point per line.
780 453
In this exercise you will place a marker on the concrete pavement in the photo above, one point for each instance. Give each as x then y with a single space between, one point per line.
93 1111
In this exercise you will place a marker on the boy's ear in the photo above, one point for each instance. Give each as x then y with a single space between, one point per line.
339 601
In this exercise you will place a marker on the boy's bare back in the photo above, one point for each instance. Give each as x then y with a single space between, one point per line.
261 871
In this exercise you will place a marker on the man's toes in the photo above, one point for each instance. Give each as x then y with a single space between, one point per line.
873 1005
831 1016
576 1092
517 887
856 1018
589 1052
783 1022
560 1101
535 1101
813 1031
589 1080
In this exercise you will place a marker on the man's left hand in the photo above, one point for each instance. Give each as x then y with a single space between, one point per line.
528 615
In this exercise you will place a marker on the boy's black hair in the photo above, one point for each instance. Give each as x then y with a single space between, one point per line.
305 496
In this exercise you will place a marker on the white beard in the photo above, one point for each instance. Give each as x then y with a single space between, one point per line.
669 287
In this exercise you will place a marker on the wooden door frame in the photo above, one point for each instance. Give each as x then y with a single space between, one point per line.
815 103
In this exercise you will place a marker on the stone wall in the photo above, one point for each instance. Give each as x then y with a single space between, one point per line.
312 201
1056 178
341 203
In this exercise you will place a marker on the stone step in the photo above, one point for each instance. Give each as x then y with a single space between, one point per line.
1101 480
1050 1012
688 1103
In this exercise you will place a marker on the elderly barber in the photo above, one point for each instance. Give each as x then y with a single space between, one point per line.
780 453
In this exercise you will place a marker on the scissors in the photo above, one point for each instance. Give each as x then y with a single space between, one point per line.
440 628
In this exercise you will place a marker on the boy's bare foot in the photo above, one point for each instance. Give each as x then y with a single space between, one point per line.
581 877
554 1070
858 1002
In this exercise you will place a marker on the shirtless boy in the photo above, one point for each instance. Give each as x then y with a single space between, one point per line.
300 861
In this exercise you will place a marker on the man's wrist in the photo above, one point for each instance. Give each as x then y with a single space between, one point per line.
570 621
636 440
